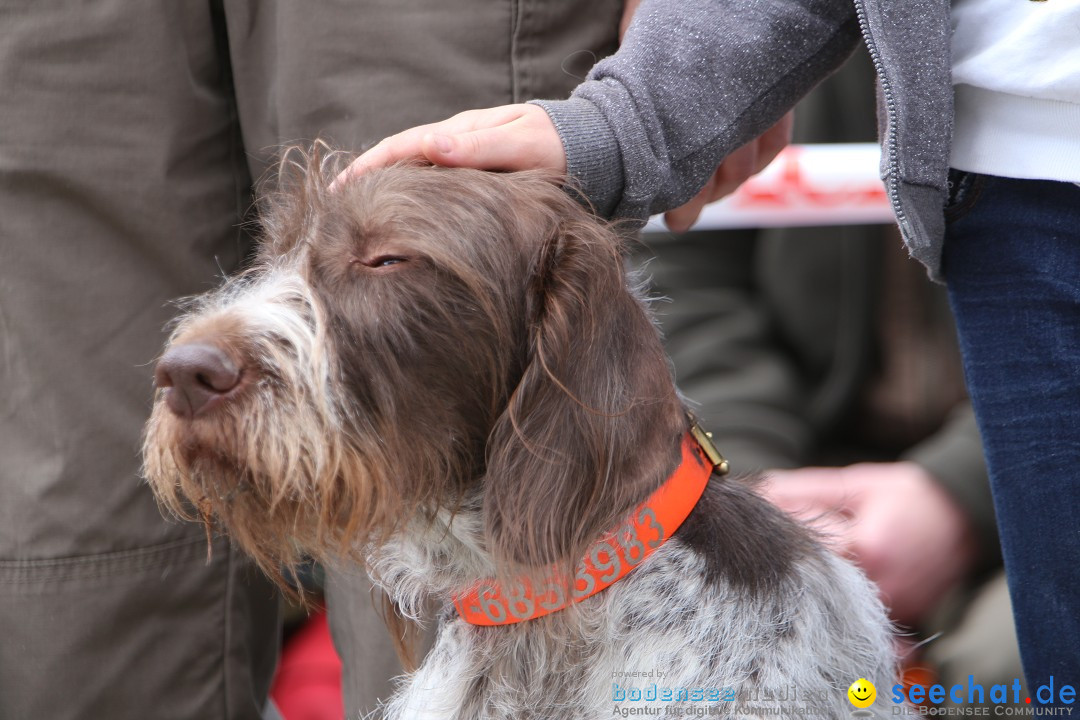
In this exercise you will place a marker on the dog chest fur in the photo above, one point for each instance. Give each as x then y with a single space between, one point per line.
700 611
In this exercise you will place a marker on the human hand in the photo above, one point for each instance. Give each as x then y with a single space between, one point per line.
733 171
508 137
893 520
629 8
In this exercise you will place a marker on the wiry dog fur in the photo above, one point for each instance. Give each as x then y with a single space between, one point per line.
445 371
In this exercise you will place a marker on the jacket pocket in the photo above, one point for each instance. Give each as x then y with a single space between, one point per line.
148 632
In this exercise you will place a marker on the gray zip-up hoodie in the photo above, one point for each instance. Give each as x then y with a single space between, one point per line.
695 79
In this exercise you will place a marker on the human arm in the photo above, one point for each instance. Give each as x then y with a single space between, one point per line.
735 169
692 82
521 137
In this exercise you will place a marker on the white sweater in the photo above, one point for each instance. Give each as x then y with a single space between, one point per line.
1016 73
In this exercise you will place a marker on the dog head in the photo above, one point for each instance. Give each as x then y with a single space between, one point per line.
411 339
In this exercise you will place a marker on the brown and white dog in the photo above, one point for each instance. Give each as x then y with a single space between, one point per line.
445 372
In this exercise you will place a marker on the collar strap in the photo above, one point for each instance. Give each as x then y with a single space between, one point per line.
611 558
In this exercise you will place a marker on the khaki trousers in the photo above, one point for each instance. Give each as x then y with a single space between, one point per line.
130 133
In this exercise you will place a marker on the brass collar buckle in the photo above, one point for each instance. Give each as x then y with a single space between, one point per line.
704 439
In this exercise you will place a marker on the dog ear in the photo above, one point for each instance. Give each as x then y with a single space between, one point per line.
594 424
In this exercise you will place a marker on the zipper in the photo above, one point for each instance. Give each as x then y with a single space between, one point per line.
892 184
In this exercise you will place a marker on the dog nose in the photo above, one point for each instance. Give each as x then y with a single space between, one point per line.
198 377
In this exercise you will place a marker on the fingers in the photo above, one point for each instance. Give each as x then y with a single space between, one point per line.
396 148
826 486
683 217
773 140
730 174
512 146
736 169
629 8
509 137
407 145
733 171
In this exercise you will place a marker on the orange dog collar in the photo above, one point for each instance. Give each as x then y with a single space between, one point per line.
610 559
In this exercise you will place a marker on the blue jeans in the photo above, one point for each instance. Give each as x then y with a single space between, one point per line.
1012 264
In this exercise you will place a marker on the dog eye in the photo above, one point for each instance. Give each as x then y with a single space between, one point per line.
381 261
387 261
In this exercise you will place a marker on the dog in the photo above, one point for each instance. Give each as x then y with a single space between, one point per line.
448 374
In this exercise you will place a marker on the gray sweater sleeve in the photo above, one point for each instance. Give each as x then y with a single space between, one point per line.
693 80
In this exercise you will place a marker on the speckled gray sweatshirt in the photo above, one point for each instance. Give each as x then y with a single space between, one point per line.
695 79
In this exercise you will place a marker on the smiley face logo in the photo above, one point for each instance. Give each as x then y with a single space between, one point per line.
862 693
